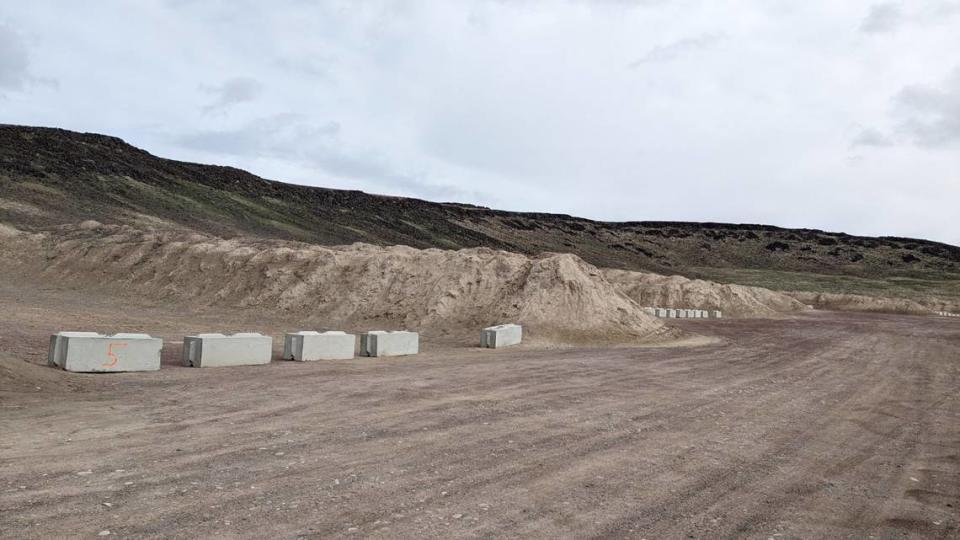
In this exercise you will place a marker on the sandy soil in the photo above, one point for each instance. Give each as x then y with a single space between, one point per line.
825 425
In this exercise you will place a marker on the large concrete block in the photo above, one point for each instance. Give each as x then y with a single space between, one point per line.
217 350
502 335
717 314
309 346
382 343
681 313
90 352
661 312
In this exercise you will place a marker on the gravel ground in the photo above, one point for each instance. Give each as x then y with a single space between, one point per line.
827 425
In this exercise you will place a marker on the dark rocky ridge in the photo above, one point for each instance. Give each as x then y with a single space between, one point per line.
73 176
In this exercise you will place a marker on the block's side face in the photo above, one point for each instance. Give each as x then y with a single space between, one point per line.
365 340
397 344
235 351
193 351
104 354
485 338
288 341
506 336
328 347
54 351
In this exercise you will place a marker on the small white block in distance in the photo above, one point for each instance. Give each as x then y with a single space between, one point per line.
383 343
90 352
717 314
661 312
219 350
503 335
308 346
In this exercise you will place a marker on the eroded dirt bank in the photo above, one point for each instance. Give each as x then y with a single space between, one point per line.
825 425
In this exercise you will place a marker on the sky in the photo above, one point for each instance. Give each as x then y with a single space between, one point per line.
842 116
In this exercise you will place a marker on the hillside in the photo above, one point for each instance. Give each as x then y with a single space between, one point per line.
52 176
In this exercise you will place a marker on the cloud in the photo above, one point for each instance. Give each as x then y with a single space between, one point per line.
871 137
232 92
14 62
882 18
930 116
292 137
671 51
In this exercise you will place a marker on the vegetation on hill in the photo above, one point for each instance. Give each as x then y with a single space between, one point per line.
52 176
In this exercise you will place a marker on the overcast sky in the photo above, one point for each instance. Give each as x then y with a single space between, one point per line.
838 115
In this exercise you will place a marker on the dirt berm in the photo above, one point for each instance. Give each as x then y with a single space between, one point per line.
857 302
679 292
557 297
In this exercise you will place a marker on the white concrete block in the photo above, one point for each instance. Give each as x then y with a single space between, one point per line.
383 343
717 314
90 352
309 346
650 311
217 350
502 335
661 312
681 314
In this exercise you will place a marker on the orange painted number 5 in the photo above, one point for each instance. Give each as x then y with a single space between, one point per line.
113 359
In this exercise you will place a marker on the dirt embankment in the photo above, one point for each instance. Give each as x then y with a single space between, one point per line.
679 292
857 302
559 298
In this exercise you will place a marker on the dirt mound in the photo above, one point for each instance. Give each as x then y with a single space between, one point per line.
856 302
679 292
557 297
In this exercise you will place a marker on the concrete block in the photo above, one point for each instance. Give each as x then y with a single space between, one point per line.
383 343
650 311
661 312
717 314
503 335
671 313
681 314
90 352
217 350
309 346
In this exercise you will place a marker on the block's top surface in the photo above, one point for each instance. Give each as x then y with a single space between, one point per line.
222 336
80 334
131 336
333 333
304 333
502 326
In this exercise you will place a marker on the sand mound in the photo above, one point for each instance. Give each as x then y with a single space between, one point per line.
558 298
680 292
856 302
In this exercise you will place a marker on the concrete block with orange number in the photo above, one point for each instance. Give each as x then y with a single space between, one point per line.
89 352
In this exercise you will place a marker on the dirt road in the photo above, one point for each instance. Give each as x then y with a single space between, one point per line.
827 425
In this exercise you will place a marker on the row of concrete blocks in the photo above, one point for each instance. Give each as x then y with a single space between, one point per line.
92 352
948 314
670 313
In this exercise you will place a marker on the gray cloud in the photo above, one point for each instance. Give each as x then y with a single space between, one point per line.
292 137
14 62
871 137
232 92
930 116
670 51
882 18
